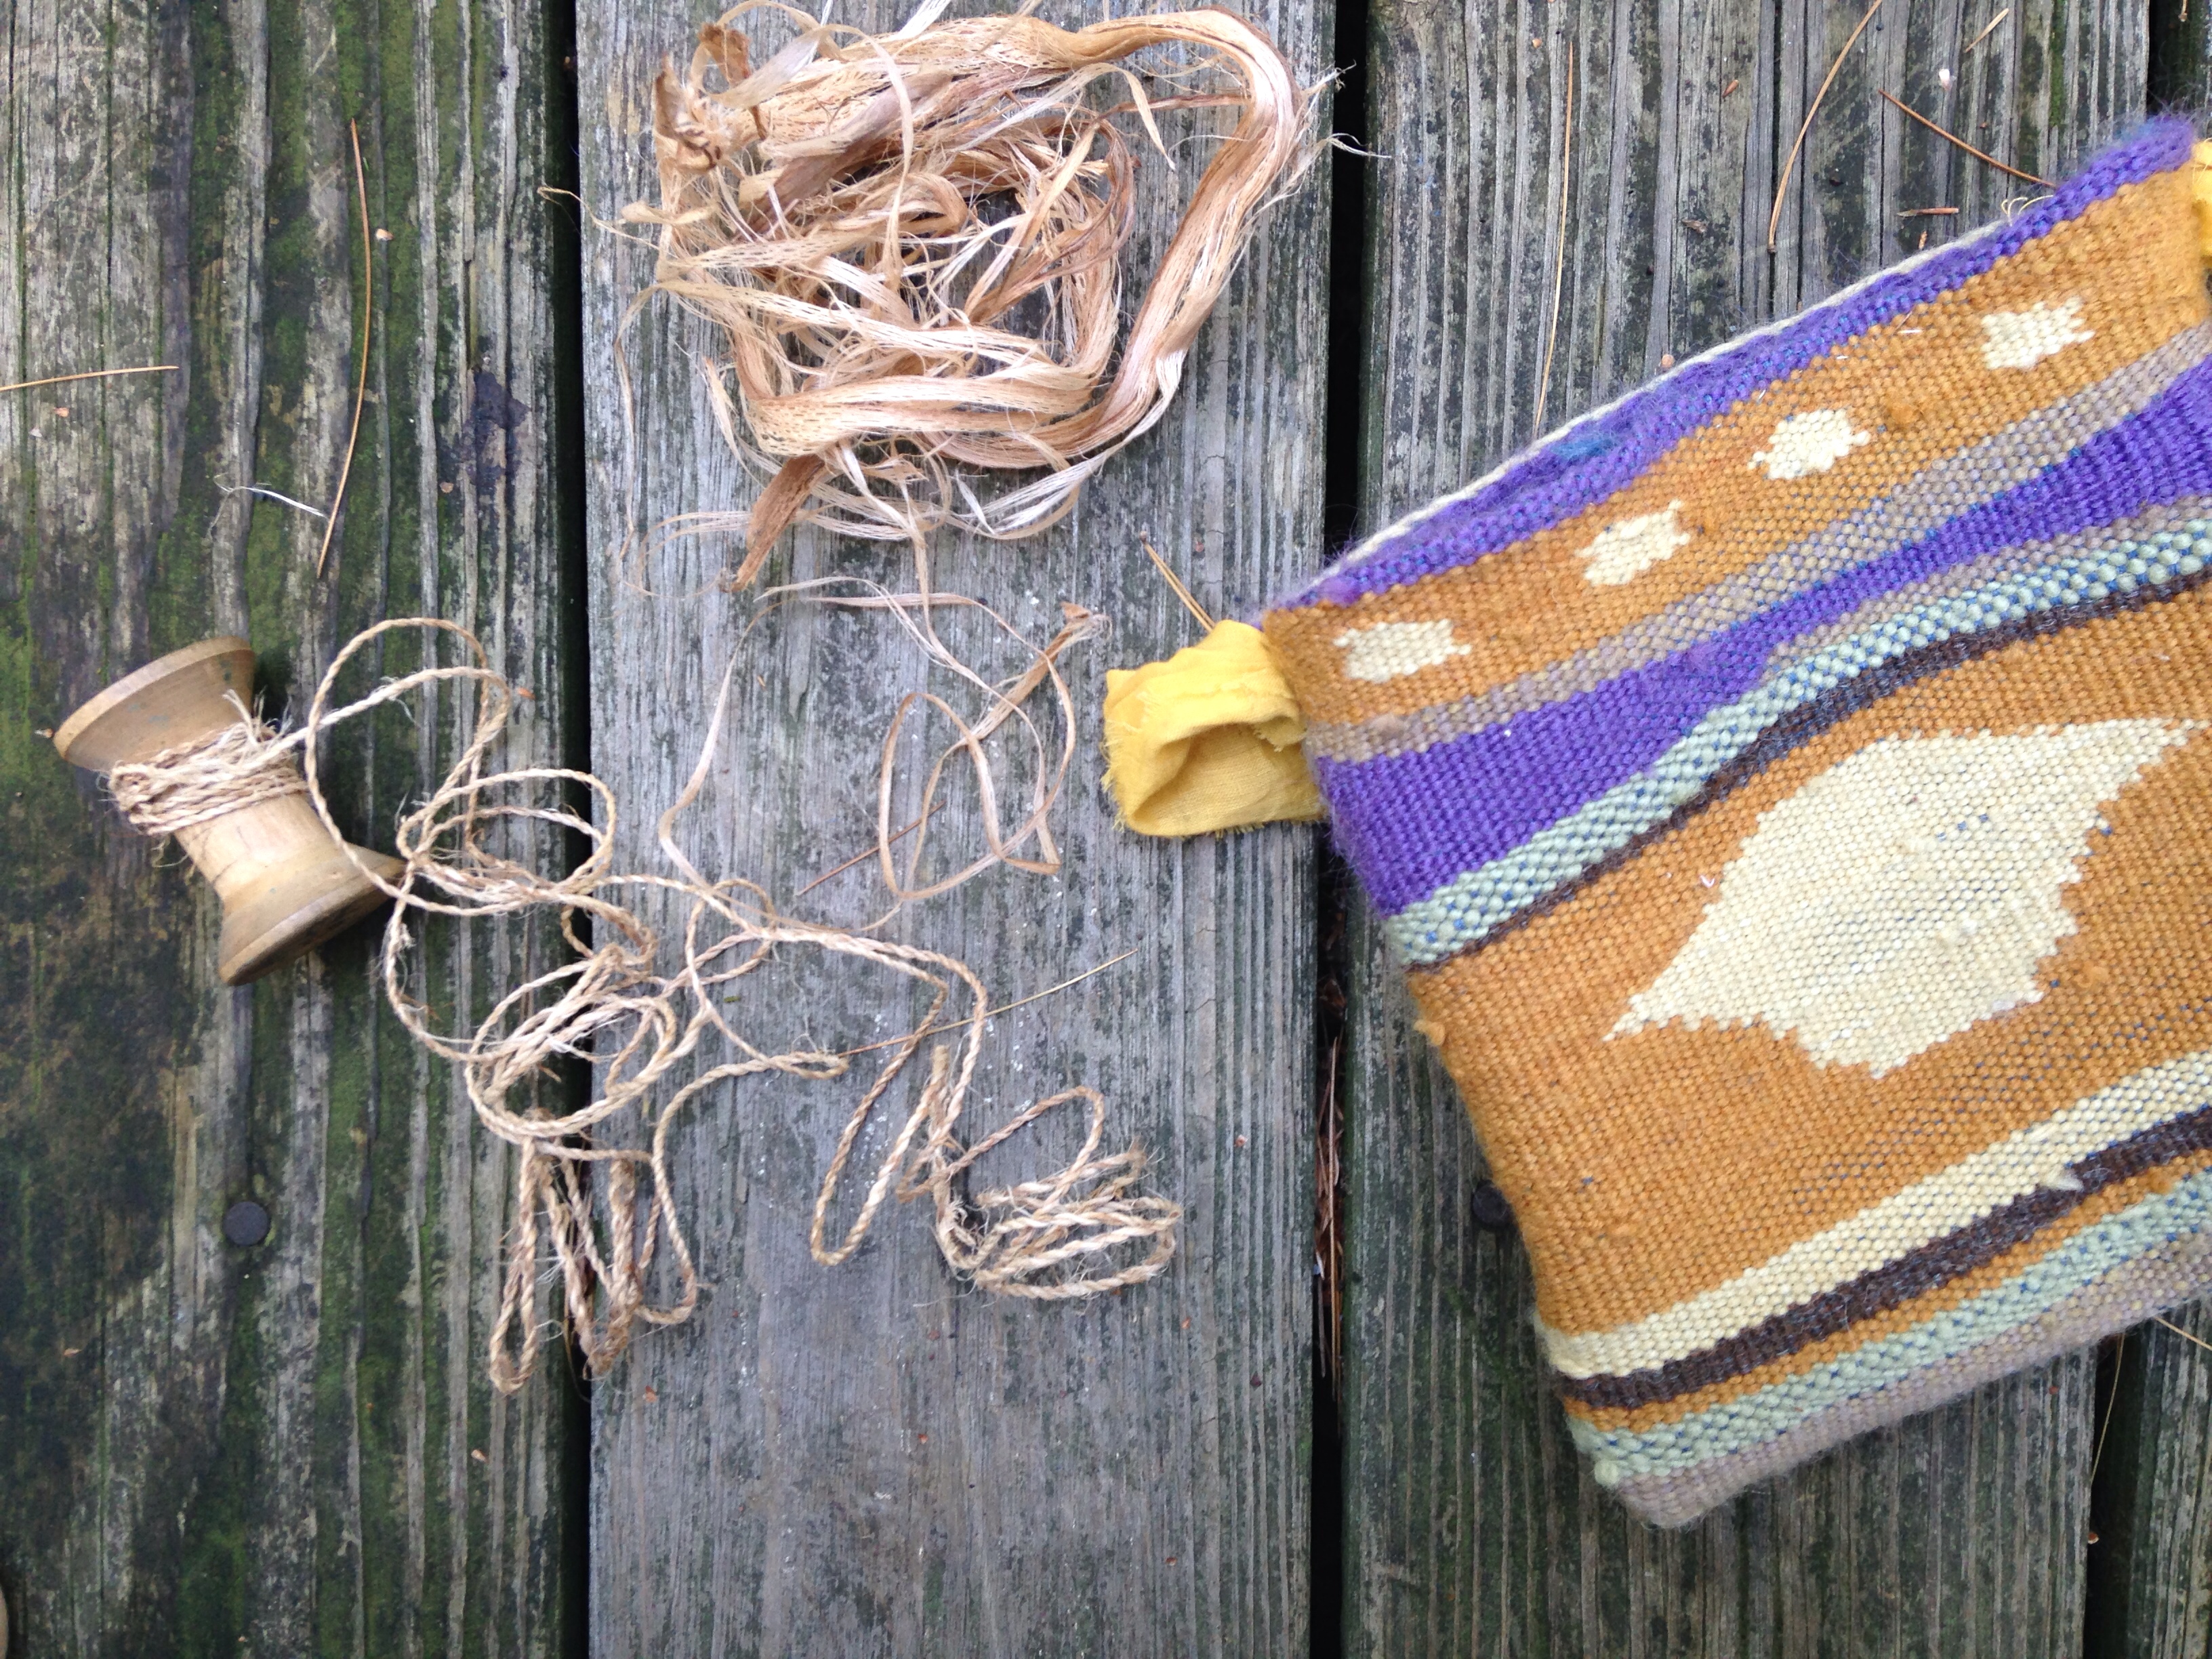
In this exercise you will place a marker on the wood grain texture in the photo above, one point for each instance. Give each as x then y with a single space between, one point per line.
2150 1569
866 1459
1471 1525
290 1448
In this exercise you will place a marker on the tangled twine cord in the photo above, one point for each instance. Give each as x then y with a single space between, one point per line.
910 246
616 1004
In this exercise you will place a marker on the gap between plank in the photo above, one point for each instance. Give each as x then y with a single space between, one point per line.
1343 474
560 200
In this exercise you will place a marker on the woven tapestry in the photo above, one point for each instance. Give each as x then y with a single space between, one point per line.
1790 792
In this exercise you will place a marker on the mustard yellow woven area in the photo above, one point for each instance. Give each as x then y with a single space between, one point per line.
1791 792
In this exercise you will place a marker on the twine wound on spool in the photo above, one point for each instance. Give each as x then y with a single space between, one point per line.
203 780
637 1010
184 757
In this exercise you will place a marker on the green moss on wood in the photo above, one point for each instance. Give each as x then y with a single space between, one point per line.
311 1486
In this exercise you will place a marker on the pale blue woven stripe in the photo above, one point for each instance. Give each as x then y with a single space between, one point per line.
1467 908
1738 1424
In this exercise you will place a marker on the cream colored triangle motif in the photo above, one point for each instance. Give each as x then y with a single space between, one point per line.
1906 893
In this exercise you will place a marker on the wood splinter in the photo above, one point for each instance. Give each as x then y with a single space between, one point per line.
286 883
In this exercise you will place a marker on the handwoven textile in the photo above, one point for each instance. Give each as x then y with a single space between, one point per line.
1790 791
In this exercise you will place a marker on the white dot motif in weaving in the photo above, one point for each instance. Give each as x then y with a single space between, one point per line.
2021 339
1906 893
1390 650
1620 552
1811 443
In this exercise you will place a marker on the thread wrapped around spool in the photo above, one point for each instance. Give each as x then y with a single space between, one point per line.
208 773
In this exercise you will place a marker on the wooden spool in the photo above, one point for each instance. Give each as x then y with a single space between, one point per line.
285 884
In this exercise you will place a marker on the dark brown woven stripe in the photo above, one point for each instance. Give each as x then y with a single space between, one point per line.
1895 1282
2132 1291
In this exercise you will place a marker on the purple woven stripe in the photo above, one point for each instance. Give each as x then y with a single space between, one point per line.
1586 464
1411 822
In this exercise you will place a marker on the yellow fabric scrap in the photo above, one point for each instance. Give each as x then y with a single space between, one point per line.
1208 740
2201 188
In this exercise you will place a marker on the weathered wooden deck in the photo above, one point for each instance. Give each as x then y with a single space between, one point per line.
290 1448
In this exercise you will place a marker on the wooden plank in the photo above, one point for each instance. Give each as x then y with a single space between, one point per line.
867 1460
290 1446
2150 1561
2150 1568
1471 1525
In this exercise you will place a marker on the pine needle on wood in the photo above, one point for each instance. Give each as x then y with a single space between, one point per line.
1559 265
367 315
1199 613
1987 29
1790 166
88 374
1953 137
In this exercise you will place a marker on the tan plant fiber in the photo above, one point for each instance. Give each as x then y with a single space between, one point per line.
649 1015
909 247
210 777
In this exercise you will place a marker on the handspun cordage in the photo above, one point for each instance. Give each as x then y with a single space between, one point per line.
635 1006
